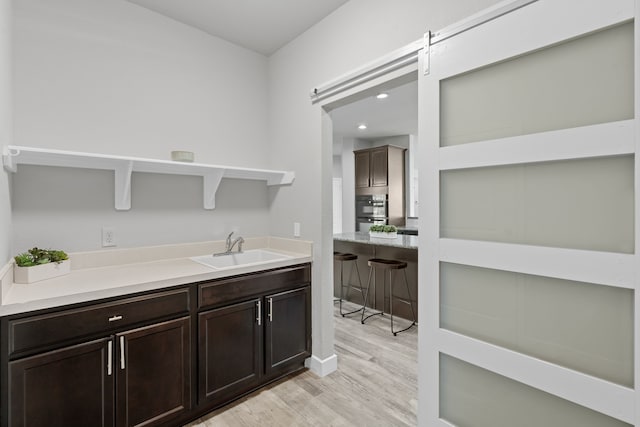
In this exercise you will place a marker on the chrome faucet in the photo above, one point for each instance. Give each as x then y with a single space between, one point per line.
230 244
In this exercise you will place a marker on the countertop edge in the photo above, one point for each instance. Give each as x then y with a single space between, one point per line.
402 241
163 273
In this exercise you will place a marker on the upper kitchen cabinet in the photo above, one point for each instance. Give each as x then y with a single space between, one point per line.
380 170
362 162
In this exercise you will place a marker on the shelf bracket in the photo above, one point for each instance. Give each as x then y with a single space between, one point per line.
123 173
211 182
7 158
283 178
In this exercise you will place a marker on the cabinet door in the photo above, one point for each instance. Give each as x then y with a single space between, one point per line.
362 169
153 373
379 167
72 386
230 349
287 329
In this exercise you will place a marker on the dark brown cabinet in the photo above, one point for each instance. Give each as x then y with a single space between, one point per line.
362 161
153 380
66 387
245 344
111 379
161 358
379 166
377 169
286 328
74 386
230 340
381 171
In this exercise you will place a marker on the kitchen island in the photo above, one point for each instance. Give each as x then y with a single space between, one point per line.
402 248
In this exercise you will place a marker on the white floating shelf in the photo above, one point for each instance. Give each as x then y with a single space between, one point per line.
123 167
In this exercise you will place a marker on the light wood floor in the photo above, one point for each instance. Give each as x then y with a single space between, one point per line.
375 385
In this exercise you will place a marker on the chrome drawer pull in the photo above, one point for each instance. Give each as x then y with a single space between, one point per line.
121 352
115 318
109 357
270 309
259 309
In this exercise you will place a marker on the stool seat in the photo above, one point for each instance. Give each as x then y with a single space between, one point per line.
338 256
389 264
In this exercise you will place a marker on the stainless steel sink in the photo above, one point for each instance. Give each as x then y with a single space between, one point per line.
250 257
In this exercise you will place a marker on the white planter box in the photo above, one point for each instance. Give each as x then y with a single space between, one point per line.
40 272
383 235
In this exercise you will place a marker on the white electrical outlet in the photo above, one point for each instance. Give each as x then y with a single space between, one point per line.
296 229
108 237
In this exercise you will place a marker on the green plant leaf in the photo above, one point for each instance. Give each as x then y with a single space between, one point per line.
35 256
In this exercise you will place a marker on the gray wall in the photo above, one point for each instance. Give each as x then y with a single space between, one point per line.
5 127
112 77
357 33
108 76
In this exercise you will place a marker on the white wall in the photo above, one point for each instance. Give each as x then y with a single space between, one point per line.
6 126
349 184
113 77
357 33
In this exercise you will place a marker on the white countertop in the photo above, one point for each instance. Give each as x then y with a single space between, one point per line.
118 279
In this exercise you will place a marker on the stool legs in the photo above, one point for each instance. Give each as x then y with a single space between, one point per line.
366 297
371 280
349 286
409 301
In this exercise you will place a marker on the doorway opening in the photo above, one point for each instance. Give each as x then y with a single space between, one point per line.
386 114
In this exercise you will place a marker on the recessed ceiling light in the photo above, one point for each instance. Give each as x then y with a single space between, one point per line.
362 126
382 95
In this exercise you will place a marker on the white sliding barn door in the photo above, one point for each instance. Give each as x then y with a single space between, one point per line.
529 231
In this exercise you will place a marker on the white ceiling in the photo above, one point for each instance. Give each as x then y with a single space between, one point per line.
263 26
395 115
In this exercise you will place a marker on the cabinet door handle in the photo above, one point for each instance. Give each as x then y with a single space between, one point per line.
121 352
270 309
109 358
115 318
259 308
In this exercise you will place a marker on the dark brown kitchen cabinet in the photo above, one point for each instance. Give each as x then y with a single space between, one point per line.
230 342
71 386
363 179
102 364
286 328
148 367
159 358
371 166
153 380
259 330
381 171
378 168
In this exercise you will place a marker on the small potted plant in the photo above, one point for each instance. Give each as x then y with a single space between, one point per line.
384 231
40 264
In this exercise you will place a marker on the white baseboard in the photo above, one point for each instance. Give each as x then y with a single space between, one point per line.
322 367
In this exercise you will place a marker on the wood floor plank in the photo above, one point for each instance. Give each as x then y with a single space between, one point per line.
375 384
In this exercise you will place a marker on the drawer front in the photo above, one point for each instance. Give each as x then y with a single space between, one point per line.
241 287
47 330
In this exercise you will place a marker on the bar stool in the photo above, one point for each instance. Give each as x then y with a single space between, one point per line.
342 258
388 265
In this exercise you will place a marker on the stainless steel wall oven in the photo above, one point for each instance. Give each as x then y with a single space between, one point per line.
370 210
